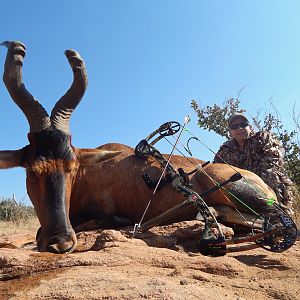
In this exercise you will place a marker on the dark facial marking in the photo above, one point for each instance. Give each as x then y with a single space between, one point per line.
51 144
55 193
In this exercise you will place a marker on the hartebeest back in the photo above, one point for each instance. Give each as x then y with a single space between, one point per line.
68 185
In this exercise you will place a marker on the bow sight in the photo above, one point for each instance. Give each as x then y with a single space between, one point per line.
278 231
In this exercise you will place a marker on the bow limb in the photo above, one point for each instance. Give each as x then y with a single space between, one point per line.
168 128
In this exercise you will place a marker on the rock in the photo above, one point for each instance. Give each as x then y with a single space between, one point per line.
16 240
127 268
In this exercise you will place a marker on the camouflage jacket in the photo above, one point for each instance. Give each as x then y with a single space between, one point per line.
263 156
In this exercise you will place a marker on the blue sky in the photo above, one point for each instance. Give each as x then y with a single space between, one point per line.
146 61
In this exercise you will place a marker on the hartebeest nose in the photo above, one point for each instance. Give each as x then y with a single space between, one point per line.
58 243
62 244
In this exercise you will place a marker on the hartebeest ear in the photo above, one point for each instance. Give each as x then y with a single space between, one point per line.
12 158
88 157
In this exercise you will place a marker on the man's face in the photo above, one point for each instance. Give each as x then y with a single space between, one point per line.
239 129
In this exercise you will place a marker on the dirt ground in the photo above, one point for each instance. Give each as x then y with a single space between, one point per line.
161 264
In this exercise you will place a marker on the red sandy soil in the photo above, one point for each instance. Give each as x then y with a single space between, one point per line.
161 264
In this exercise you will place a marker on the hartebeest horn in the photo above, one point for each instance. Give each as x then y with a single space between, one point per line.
61 113
36 115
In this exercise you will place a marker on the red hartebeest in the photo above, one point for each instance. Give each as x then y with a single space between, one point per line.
68 185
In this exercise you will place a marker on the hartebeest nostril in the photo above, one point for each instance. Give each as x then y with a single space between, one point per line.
65 247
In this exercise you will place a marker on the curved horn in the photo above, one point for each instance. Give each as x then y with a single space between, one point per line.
61 113
36 115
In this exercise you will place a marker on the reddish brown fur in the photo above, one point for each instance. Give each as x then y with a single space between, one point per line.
52 166
116 187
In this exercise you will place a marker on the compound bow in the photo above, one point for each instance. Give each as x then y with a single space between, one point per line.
278 232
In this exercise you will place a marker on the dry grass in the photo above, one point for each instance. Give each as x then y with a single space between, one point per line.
11 210
10 227
16 217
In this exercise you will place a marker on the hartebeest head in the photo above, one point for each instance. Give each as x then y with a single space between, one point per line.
50 160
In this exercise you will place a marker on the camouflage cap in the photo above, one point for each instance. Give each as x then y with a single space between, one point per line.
236 116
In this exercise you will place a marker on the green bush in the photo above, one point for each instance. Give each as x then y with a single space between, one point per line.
12 211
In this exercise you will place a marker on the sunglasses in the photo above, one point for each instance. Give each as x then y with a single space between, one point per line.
238 125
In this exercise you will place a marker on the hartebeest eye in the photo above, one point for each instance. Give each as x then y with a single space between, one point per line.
71 165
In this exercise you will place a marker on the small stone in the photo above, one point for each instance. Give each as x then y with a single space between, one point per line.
183 282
